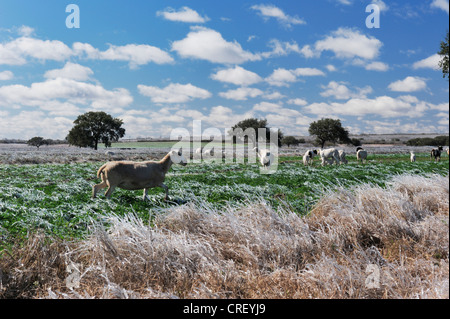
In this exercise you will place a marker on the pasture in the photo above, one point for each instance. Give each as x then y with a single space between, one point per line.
53 200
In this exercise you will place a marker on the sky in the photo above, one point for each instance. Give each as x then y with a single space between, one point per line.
160 65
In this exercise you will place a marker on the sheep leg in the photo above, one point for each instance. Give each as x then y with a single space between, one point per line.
109 191
97 187
145 194
167 191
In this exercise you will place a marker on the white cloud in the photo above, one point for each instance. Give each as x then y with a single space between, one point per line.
17 51
440 4
348 43
384 106
383 6
241 94
134 54
51 91
206 44
377 66
409 84
70 71
27 124
297 101
6 75
174 93
237 75
340 91
271 11
25 31
283 77
185 14
428 63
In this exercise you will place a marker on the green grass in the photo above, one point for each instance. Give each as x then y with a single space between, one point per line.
56 198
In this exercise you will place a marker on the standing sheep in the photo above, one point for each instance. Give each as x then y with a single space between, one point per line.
308 157
329 155
137 175
266 158
361 154
436 153
342 157
413 157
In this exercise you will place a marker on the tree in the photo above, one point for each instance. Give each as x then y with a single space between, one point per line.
328 130
255 127
290 140
444 53
94 127
37 141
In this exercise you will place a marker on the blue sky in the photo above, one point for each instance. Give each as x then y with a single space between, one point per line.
159 65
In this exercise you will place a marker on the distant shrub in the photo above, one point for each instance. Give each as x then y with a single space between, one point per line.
424 141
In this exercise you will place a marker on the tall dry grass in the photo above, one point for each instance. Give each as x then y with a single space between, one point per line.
367 242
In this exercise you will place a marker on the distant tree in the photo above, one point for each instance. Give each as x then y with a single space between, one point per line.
444 53
256 125
37 141
329 130
94 127
290 140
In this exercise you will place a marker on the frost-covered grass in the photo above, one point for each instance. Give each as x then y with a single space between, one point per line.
56 198
365 241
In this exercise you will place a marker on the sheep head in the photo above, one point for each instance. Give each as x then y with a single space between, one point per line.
177 157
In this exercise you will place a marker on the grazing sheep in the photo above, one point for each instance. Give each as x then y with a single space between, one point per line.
209 152
361 154
342 157
329 155
413 157
436 153
266 158
308 157
137 175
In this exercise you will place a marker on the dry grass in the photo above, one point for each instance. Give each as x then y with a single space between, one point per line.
399 236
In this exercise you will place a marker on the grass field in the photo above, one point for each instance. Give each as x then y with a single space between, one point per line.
55 198
46 212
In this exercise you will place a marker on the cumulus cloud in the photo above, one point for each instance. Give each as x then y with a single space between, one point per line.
60 90
185 14
207 44
348 43
440 4
17 51
283 77
384 106
237 75
428 63
409 84
135 54
241 94
271 11
340 91
70 71
174 93
6 75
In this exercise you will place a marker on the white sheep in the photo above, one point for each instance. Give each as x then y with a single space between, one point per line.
328 155
361 154
413 157
198 150
266 158
342 157
308 157
137 175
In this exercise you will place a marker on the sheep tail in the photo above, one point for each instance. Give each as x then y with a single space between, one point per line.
100 170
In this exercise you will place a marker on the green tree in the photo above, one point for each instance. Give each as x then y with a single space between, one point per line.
444 53
238 131
37 141
290 140
330 130
94 127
